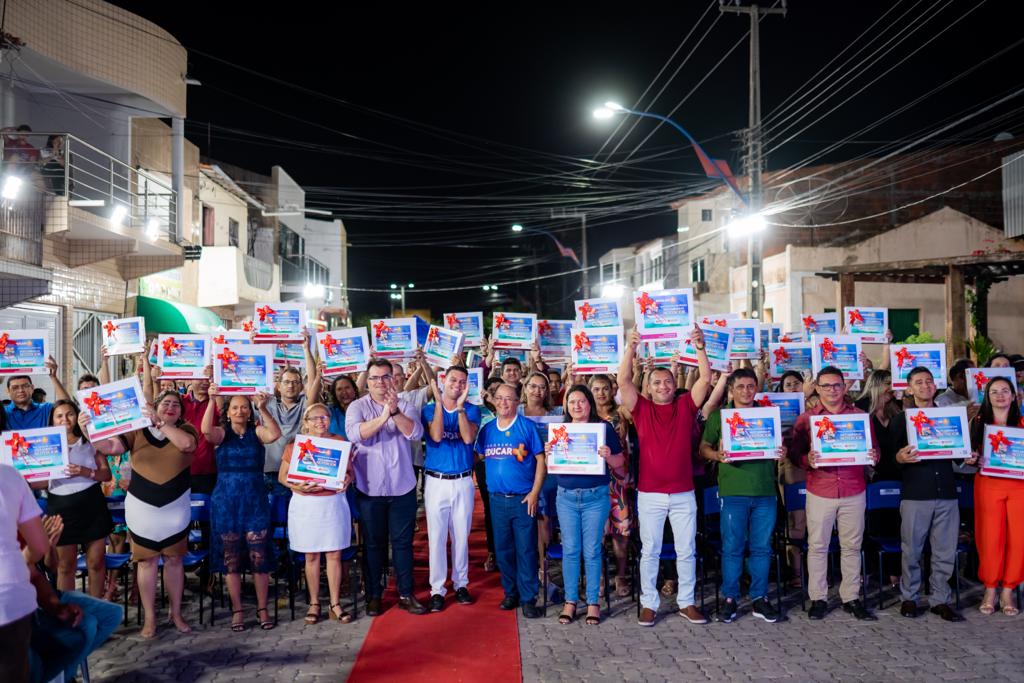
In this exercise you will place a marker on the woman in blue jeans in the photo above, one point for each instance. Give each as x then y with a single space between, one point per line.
583 506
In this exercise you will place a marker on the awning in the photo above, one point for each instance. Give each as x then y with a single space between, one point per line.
168 317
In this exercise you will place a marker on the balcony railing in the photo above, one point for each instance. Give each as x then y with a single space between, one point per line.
302 270
258 274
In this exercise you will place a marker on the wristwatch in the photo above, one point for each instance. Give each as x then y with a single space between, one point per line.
395 412
699 348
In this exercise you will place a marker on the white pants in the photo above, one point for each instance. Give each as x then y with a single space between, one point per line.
681 510
449 507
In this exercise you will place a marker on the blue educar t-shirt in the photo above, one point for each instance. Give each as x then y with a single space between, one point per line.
509 455
451 455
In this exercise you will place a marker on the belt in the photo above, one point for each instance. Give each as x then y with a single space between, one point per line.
509 495
439 475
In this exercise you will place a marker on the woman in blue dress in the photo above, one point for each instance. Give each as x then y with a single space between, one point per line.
239 508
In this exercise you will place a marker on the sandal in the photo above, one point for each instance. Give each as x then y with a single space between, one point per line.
1010 610
566 618
593 620
313 614
344 617
240 626
268 624
987 607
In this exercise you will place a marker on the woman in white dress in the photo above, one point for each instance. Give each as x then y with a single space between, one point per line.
319 520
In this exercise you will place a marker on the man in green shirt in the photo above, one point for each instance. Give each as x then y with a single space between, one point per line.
747 492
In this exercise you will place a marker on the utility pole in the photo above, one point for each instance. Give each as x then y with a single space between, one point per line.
562 213
755 242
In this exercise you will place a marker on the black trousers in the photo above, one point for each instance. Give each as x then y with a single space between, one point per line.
388 518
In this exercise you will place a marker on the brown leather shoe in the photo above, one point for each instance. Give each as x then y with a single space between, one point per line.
908 608
647 617
693 615
946 612
411 605
373 607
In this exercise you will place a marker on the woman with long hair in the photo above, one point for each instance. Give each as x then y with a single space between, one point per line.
998 506
343 391
239 508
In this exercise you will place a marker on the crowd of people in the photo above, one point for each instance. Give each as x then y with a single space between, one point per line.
420 441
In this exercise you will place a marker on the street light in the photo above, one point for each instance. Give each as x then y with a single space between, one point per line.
612 291
118 215
12 186
746 226
313 291
517 228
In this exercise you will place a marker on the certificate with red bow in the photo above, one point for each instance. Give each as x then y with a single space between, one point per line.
37 454
24 352
593 313
663 314
124 336
939 433
243 369
752 433
596 352
978 379
441 345
841 439
394 337
905 357
1003 454
471 325
871 323
280 322
319 461
344 350
573 448
114 408
183 356
513 330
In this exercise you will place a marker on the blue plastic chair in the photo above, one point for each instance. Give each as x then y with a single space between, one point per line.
882 495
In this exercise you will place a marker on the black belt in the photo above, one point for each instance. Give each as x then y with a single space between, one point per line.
509 495
439 475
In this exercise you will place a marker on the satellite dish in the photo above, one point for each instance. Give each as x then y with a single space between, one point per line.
1003 137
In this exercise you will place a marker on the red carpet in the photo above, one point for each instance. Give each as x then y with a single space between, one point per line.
475 642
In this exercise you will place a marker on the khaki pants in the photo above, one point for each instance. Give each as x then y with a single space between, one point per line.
822 515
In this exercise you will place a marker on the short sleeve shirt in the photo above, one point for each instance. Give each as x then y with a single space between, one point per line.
36 416
666 436
510 455
451 455
17 506
754 478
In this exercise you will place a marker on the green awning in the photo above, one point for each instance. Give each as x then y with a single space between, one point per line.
168 317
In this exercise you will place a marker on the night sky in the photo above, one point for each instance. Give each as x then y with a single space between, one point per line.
432 129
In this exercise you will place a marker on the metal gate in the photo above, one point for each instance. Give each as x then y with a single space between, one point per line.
87 344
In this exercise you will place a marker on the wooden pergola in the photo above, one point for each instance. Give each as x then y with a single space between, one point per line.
955 272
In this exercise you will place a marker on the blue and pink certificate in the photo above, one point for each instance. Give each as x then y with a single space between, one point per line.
344 350
596 351
746 339
939 433
597 313
662 351
476 383
794 356
819 323
231 337
870 323
905 357
243 369
37 454
290 355
279 322
514 330
1003 454
24 352
471 325
521 355
838 351
114 408
751 433
791 405
319 461
978 379
124 336
393 337
442 345
664 314
717 345
183 356
770 334
841 439
555 337
573 448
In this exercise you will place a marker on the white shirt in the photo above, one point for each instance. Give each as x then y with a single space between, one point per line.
83 454
17 506
949 399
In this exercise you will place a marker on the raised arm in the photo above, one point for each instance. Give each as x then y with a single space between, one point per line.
313 394
700 388
268 430
627 390
715 399
437 423
212 432
147 379
58 388
104 374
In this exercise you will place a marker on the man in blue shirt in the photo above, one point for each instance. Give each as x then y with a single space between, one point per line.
22 411
450 426
514 457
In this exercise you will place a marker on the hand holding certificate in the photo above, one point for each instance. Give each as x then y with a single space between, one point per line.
183 356
124 336
841 440
1004 452
113 409
344 350
318 461
280 322
24 352
243 369
939 433
37 454
573 448
751 433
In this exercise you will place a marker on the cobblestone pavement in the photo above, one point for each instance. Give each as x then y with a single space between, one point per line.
837 649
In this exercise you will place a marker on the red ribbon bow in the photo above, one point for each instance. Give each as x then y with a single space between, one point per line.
856 317
825 427
720 322
921 421
501 322
735 422
433 335
646 303
903 356
329 343
227 359
980 381
248 326
586 310
560 434
307 450
170 346
16 442
785 339
5 341
452 321
264 311
828 349
380 329
764 402
543 327
110 327
219 340
999 439
781 355
581 341
96 403
810 325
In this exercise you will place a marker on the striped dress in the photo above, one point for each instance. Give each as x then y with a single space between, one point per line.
158 506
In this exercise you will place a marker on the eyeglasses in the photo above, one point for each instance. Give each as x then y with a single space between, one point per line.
379 378
318 418
291 383
831 387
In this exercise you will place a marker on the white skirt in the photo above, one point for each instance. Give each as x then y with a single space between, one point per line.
319 524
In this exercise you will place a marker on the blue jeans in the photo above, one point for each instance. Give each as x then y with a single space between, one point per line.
58 646
515 546
740 513
582 514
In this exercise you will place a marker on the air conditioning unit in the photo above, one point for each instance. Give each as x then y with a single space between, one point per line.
192 252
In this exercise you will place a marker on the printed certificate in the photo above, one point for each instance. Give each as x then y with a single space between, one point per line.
574 448
37 454
789 356
124 336
24 352
471 325
323 462
292 355
751 433
662 351
1004 452
476 383
718 346
746 339
343 351
231 337
183 356
978 379
596 351
115 408
905 357
555 337
441 345
243 369
279 322
870 323
790 405
819 323
663 314
514 330
839 351
521 355
939 433
394 337
594 313
770 334
841 439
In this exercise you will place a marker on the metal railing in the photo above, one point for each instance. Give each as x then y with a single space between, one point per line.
302 270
